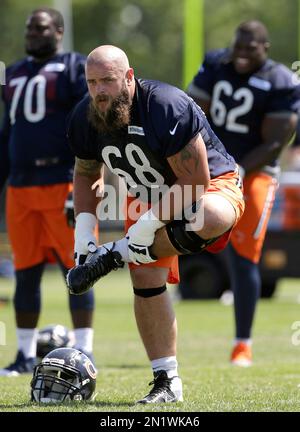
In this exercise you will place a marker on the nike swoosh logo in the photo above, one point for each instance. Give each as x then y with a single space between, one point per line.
172 132
140 250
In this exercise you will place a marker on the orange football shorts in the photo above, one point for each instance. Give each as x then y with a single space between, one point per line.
37 225
226 185
248 235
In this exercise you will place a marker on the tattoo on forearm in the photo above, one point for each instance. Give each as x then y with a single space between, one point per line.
187 160
88 168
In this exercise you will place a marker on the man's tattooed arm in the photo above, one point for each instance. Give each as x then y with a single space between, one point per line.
88 168
191 163
190 166
88 185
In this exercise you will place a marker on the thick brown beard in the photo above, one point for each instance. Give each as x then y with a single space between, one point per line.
116 118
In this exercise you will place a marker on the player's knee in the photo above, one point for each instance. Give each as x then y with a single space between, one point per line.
27 296
145 276
185 240
218 216
149 292
85 301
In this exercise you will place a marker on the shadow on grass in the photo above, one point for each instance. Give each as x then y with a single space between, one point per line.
96 404
125 366
111 404
21 405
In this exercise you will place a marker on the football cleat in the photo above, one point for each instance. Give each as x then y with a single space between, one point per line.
164 389
20 366
241 355
81 278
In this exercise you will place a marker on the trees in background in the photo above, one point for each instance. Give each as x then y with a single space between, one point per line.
150 31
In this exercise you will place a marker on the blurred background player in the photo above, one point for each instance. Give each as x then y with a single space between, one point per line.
250 102
292 155
40 91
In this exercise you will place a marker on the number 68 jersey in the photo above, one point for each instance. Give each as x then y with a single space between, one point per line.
239 102
163 121
38 97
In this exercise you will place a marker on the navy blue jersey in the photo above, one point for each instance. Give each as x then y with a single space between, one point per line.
239 102
38 98
163 120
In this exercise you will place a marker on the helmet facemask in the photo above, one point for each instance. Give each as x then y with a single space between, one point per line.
54 383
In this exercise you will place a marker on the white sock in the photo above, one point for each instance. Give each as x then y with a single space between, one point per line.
169 364
27 340
247 341
84 339
120 246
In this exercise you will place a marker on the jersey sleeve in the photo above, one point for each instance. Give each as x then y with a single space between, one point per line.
78 132
203 81
285 92
77 76
176 121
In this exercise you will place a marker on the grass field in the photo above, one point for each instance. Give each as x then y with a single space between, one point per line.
205 335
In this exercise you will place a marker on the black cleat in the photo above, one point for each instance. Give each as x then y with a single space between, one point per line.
164 389
21 365
81 278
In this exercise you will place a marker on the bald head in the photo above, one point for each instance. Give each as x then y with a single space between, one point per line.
108 55
250 46
108 72
256 28
111 85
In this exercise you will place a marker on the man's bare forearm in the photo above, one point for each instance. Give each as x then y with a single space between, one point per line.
191 169
277 130
262 156
86 174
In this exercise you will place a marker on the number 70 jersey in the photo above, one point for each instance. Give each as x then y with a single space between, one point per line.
239 102
38 97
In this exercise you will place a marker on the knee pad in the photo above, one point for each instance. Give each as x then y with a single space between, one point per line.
85 301
149 292
27 296
186 242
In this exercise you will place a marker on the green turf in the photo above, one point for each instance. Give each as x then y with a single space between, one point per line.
205 335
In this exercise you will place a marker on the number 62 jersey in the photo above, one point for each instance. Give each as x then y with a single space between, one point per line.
239 102
38 97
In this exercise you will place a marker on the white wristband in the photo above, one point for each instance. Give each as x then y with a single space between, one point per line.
85 224
85 240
